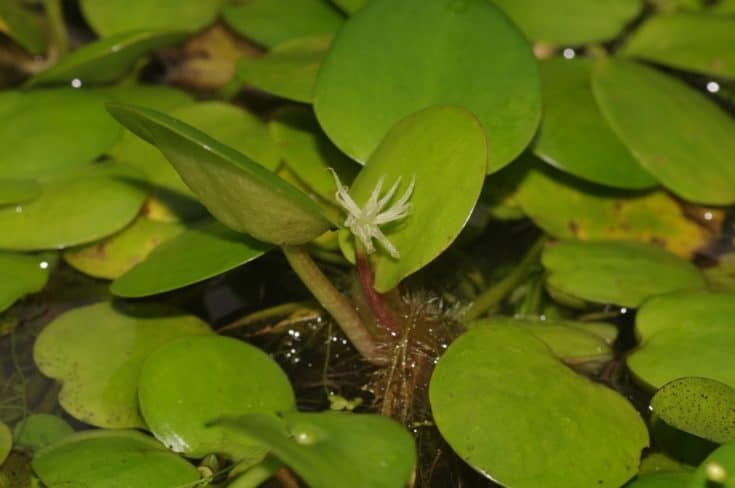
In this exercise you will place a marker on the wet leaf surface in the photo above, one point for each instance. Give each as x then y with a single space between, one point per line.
378 72
97 352
200 252
237 191
515 413
334 448
620 273
189 383
112 459
687 334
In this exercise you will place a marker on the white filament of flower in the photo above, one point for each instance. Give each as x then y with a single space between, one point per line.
365 222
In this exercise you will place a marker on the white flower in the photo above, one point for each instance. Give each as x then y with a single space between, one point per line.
365 222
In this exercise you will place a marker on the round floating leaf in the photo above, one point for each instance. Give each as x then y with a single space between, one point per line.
568 208
657 462
617 272
45 131
662 480
82 205
572 342
571 21
692 150
307 152
198 253
6 441
117 16
264 21
117 254
698 406
334 448
112 459
189 383
22 26
106 59
20 275
687 334
444 149
698 42
514 412
97 351
40 430
288 70
18 191
718 469
574 137
240 193
378 71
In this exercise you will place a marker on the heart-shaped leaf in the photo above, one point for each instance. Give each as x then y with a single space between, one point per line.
336 449
264 21
444 149
685 334
692 150
456 52
571 21
198 253
78 206
116 16
240 193
574 136
107 59
698 42
617 272
97 351
187 384
288 70
20 275
514 412
112 459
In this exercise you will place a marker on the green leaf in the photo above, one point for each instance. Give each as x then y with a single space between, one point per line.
444 148
692 150
663 480
724 7
572 342
264 21
37 431
6 441
52 130
189 383
198 253
658 462
80 206
685 334
574 137
20 275
616 272
22 26
112 459
717 470
288 70
698 42
158 97
117 254
107 59
96 352
350 6
307 152
240 193
117 16
569 208
336 449
514 412
18 191
698 406
571 21
455 52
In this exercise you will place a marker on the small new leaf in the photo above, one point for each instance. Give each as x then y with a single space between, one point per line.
365 222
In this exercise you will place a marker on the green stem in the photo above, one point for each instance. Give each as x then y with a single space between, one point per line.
58 34
491 298
334 303
266 314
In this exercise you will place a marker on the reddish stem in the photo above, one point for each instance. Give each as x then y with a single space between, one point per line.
374 299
